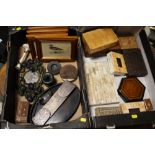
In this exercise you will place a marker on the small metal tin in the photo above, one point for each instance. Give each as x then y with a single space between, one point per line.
68 73
54 67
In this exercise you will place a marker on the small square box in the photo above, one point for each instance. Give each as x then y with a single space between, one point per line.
116 63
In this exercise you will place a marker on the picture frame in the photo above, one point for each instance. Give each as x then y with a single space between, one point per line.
31 41
56 48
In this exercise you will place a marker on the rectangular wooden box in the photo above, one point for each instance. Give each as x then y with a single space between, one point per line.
98 40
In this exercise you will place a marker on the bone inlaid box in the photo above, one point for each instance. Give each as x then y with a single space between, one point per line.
98 40
133 105
101 86
104 111
116 63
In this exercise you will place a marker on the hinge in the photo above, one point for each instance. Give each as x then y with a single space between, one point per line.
8 46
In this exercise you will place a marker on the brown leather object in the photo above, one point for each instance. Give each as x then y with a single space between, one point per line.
2 80
134 62
131 89
98 40
69 73
22 112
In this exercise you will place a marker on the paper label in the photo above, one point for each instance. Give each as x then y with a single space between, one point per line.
134 116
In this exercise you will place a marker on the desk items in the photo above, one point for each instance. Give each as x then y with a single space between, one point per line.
100 84
131 89
96 41
134 62
64 112
116 63
53 104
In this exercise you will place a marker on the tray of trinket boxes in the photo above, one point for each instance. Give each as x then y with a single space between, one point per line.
79 77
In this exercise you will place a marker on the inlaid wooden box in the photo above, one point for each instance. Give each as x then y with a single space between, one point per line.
116 63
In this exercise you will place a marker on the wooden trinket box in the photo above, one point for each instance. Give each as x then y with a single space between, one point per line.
99 40
22 110
131 89
127 42
145 105
126 107
116 63
106 111
135 62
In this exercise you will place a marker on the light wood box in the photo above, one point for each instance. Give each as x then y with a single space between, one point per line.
133 105
98 40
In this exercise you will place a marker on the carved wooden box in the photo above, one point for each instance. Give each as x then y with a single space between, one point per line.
131 89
